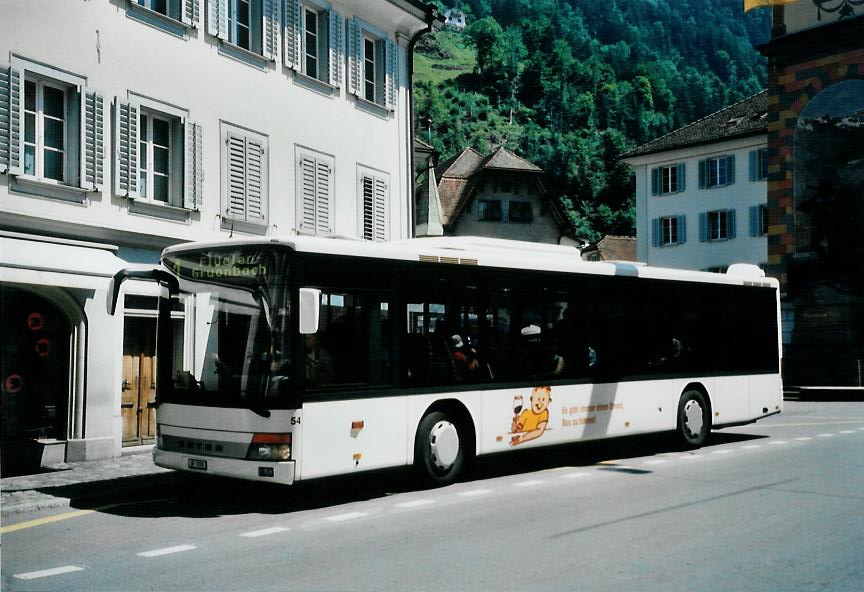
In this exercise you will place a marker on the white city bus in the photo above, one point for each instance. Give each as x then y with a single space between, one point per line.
317 356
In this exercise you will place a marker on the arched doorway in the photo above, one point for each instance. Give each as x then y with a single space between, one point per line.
826 278
35 369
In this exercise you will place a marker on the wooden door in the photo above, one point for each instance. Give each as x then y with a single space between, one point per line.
137 406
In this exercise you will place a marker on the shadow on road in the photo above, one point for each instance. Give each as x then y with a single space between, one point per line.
173 494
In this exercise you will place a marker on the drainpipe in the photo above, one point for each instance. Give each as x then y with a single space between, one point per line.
430 20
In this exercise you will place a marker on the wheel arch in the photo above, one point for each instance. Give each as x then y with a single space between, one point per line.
698 386
460 413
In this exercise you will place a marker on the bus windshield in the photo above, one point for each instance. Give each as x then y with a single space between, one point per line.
240 310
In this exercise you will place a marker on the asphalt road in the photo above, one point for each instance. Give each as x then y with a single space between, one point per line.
778 505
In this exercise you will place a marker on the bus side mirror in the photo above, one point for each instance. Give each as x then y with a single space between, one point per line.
310 306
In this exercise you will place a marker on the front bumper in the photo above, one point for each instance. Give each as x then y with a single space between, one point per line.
282 472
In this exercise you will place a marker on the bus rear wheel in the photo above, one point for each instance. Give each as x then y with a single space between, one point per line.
694 419
439 449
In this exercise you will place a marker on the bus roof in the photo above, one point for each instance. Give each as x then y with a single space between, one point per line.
488 252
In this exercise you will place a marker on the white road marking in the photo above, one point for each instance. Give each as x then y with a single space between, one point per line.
574 475
415 503
346 516
530 483
826 435
56 571
804 438
474 492
847 431
264 532
167 551
751 446
778 442
724 451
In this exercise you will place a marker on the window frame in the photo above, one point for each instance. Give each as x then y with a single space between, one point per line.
669 232
488 206
520 218
39 116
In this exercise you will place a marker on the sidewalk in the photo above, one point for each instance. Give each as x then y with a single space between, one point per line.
60 484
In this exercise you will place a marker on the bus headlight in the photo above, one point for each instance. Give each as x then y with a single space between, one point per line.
275 447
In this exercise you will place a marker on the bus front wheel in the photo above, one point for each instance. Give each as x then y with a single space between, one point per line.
694 419
439 449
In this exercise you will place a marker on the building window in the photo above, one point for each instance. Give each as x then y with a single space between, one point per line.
54 144
668 231
244 180
520 212
45 130
155 166
315 191
170 8
717 225
668 179
759 164
173 16
314 40
489 210
375 199
158 156
251 25
759 220
717 172
373 65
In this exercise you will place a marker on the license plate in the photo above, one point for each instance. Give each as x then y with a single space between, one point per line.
197 464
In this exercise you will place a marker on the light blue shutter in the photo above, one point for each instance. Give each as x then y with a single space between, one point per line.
270 28
730 169
10 121
754 220
193 174
703 174
391 86
754 164
92 140
656 230
731 227
655 181
682 230
217 18
189 15
355 70
336 61
126 148
682 177
703 227
292 54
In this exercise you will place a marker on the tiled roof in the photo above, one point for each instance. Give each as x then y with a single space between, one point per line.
611 248
744 118
506 160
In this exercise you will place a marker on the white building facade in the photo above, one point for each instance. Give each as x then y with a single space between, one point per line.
701 191
130 125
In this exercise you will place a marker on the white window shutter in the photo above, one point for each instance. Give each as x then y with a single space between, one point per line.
379 231
92 140
306 174
256 197
367 185
337 52
193 173
126 148
391 87
190 15
217 18
293 33
10 121
270 28
236 183
323 188
355 69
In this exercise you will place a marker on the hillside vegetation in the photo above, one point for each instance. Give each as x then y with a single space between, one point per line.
571 84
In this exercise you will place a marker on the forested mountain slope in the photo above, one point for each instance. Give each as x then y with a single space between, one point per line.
570 84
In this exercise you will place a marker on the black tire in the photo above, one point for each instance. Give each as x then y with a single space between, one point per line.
694 419
439 449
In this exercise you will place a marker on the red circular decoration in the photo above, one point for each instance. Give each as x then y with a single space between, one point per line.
35 321
13 383
43 348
